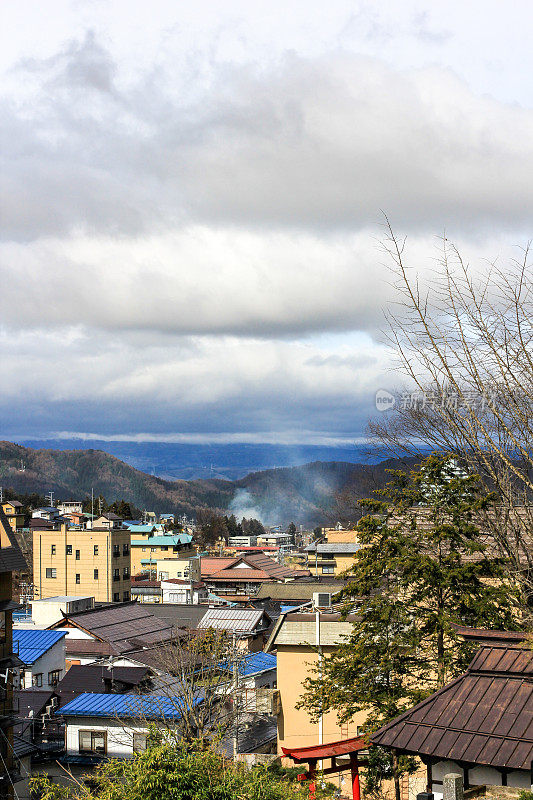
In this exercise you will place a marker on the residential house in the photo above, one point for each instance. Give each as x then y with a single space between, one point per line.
276 539
330 558
70 507
480 725
242 576
113 725
93 562
299 640
148 550
108 521
43 658
11 560
102 679
111 630
278 598
49 513
145 590
247 626
179 590
13 509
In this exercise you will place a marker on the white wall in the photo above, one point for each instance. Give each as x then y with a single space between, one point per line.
53 659
119 736
478 776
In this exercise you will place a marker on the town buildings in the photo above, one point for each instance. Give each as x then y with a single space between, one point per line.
330 558
93 562
42 654
13 510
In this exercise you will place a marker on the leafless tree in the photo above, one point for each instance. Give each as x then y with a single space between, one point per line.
464 341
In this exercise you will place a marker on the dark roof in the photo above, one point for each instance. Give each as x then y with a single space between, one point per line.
341 548
298 590
179 615
126 626
26 700
11 557
237 620
99 678
87 647
483 717
491 637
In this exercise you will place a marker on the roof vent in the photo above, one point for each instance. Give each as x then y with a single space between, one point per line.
321 600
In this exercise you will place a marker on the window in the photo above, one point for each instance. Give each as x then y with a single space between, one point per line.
116 550
54 677
116 597
93 742
125 549
53 549
163 576
328 570
144 549
95 550
125 596
139 742
164 547
51 572
116 574
78 577
69 549
96 574
77 555
126 572
37 679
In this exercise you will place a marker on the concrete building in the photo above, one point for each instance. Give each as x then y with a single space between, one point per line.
147 550
70 507
51 609
90 563
330 558
43 657
300 639
180 590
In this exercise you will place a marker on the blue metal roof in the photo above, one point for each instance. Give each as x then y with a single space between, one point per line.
158 541
31 645
257 662
90 704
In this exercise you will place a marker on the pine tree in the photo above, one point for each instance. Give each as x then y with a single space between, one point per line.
424 568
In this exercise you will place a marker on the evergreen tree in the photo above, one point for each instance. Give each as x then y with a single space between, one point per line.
424 567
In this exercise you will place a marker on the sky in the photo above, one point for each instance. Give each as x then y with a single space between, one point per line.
192 199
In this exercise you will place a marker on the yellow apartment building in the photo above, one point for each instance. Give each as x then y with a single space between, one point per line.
336 535
94 562
13 511
146 551
330 558
298 638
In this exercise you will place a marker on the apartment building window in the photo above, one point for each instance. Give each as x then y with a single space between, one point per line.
95 550
54 677
116 597
96 574
125 596
77 555
53 549
37 679
116 550
139 742
164 547
125 549
116 574
78 577
93 742
328 570
69 549
126 572
51 572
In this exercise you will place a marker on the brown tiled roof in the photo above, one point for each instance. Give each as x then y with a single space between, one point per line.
210 565
239 575
126 626
87 647
272 568
483 717
491 637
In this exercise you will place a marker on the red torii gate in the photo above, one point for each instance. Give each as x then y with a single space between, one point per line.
346 747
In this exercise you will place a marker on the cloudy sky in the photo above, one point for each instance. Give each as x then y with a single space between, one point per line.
191 199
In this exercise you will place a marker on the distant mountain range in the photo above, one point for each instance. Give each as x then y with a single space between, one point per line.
316 493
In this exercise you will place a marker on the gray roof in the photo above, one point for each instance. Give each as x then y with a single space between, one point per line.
179 615
297 590
238 620
342 548
126 626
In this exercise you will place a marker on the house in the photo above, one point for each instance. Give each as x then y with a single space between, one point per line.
11 560
300 639
145 590
93 562
244 575
108 521
278 598
480 725
51 609
147 551
179 590
275 539
48 513
43 657
330 558
13 509
247 626
113 725
111 630
70 507
101 679
242 540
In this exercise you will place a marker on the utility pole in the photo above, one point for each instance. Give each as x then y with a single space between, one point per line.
50 497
